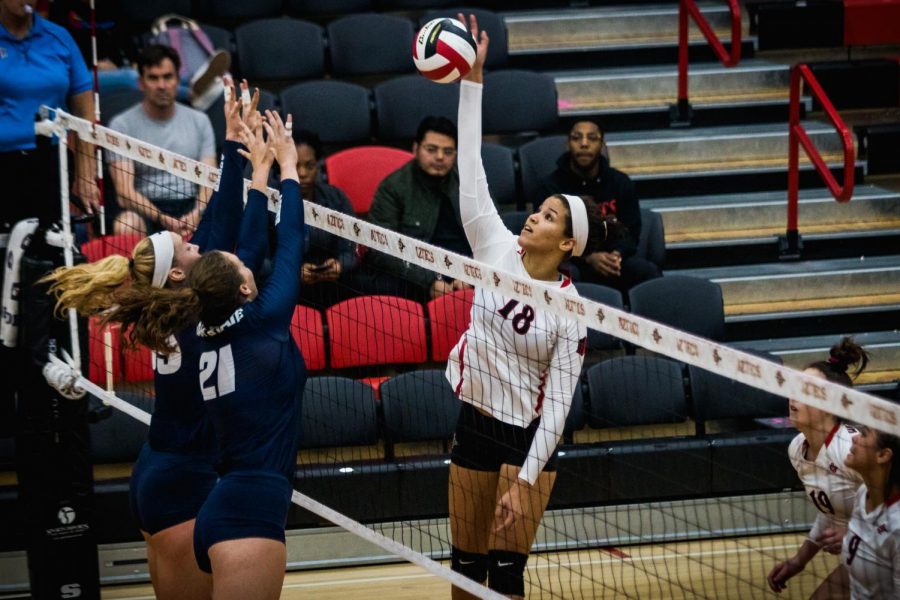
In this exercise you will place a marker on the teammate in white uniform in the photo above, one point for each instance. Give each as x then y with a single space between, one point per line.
871 550
818 453
515 368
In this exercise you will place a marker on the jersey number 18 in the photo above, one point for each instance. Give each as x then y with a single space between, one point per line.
522 321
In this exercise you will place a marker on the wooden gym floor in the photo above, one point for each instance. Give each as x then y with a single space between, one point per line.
726 568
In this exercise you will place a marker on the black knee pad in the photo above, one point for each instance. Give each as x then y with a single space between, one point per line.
472 565
506 572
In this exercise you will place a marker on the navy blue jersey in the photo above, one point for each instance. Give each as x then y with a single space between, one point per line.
180 422
251 370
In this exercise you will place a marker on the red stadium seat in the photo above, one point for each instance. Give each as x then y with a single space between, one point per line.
358 171
376 330
309 333
449 317
101 247
97 351
138 363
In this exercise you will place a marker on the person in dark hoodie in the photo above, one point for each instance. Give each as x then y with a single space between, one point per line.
584 171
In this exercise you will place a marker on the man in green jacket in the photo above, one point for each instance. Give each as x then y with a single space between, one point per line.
421 200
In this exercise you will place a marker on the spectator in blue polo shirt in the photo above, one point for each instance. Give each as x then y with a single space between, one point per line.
39 64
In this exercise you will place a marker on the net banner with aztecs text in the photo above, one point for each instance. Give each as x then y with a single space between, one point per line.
850 404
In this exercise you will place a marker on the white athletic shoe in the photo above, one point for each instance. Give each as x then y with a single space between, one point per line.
209 95
214 68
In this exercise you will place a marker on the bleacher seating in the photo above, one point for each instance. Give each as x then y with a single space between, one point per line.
376 330
358 171
356 44
337 111
691 304
537 159
500 168
448 318
402 102
309 333
503 110
300 43
605 295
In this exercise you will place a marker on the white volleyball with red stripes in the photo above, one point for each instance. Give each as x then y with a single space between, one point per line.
444 50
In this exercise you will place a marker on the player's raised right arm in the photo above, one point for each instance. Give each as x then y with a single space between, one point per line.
484 228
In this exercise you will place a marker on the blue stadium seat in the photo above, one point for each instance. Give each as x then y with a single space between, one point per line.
504 110
691 304
514 220
338 111
716 397
303 8
500 168
299 46
537 159
141 13
605 295
337 411
652 242
636 390
219 37
357 44
402 102
419 406
230 12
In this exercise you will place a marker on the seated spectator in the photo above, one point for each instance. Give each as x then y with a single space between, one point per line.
329 260
421 200
161 200
584 171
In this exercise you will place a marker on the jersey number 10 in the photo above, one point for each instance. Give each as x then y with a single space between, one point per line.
221 364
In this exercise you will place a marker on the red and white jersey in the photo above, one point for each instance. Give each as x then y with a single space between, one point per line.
829 482
871 550
515 362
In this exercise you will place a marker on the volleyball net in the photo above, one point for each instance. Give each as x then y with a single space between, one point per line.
672 443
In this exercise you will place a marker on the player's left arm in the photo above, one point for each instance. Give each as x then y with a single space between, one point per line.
563 376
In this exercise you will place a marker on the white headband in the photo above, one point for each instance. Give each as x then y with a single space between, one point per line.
580 225
163 256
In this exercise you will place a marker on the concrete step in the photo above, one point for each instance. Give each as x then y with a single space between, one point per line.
668 153
727 219
615 27
797 352
820 289
753 83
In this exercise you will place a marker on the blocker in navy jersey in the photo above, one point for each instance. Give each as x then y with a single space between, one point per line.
251 374
176 469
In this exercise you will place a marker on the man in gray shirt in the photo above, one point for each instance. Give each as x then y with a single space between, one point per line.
150 198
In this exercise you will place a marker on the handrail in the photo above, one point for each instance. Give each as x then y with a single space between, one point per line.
729 59
797 136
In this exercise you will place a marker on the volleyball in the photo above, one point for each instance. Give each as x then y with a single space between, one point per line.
444 50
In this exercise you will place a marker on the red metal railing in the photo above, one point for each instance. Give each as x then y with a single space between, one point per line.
797 136
729 59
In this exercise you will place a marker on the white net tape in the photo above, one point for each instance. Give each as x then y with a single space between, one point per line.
849 404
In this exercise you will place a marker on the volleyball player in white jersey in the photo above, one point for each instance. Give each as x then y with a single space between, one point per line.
515 368
871 550
819 454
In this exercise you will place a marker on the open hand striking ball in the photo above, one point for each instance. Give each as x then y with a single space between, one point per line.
444 50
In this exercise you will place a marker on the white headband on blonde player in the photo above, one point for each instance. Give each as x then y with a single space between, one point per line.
580 225
163 256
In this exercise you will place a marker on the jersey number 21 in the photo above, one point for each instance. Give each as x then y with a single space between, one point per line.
221 365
